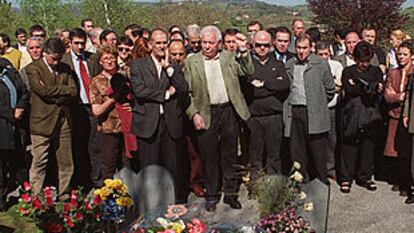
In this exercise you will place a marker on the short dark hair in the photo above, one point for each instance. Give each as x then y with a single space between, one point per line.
5 38
177 32
302 38
407 44
125 40
136 30
54 45
363 51
77 32
104 33
282 29
20 31
230 31
322 44
341 32
296 20
252 23
172 27
36 28
314 34
85 20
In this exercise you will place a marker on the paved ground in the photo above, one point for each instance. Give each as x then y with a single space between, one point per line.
360 211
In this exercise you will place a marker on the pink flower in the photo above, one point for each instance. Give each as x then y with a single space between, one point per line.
79 216
73 203
49 201
196 226
97 200
36 203
175 211
27 186
24 211
66 207
26 198
88 207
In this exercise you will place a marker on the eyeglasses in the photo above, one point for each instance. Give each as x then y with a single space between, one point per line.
258 45
40 35
79 42
122 49
177 54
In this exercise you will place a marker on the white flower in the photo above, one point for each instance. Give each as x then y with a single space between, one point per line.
302 195
296 176
308 206
296 165
163 222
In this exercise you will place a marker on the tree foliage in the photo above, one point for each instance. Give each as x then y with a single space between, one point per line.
8 17
384 15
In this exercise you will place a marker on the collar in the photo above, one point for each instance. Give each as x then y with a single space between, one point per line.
214 58
48 66
76 57
157 63
260 61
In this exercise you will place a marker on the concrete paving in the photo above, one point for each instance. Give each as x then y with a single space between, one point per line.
360 211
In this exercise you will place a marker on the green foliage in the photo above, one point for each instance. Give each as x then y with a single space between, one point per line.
274 193
8 17
19 223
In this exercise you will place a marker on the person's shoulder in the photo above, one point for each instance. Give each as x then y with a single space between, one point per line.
335 64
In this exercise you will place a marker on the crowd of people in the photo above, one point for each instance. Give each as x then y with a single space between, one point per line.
210 106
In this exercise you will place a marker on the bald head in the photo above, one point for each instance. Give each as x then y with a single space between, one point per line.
262 43
177 52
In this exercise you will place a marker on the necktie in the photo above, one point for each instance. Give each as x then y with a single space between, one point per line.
85 77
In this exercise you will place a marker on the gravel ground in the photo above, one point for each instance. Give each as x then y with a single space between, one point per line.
360 211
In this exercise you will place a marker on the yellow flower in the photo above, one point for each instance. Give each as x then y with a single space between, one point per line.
107 182
116 184
178 227
97 192
124 201
105 192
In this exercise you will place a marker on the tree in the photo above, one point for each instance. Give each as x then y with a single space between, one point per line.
384 15
9 17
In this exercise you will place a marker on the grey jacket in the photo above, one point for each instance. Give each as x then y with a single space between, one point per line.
319 88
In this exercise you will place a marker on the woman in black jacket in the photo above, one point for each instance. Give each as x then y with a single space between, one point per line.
360 118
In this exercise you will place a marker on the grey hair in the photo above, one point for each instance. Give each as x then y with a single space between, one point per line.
35 38
207 30
193 29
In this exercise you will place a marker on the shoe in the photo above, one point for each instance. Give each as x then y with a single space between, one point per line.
410 199
198 190
233 202
370 185
345 187
403 193
211 206
395 188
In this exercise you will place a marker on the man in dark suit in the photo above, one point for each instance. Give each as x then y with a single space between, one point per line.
84 66
159 87
281 41
52 90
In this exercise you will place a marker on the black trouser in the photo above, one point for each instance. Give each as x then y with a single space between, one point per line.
163 150
266 134
357 157
307 149
331 145
112 146
86 148
218 153
6 157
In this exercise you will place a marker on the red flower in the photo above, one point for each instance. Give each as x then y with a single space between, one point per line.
97 216
27 186
66 207
73 203
79 216
97 200
88 207
69 222
196 226
49 201
24 211
36 203
26 198
52 227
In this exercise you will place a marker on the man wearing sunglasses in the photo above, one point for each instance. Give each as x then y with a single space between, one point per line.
124 53
269 87
84 66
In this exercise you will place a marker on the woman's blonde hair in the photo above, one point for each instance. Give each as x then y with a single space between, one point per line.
400 34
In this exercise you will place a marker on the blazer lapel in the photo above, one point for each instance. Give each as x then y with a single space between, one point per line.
199 64
48 76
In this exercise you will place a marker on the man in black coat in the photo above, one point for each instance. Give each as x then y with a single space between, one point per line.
269 89
13 101
160 89
281 41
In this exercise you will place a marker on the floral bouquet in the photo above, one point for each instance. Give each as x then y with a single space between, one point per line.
114 200
77 213
279 197
172 222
